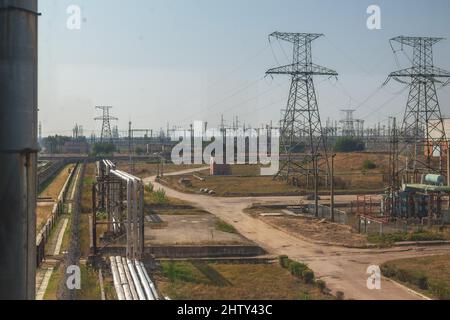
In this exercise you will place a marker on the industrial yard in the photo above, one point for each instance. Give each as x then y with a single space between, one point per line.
312 195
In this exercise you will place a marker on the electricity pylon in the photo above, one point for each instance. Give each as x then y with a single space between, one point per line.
106 119
422 129
301 129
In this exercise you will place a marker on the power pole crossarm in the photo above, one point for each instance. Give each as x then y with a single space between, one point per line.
299 69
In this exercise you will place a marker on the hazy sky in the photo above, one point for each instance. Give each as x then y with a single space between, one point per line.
177 61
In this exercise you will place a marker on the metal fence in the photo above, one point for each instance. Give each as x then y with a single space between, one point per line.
324 212
369 225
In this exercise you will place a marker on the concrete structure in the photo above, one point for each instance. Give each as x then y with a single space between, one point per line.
216 169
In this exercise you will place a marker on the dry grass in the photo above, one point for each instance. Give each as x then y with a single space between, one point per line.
90 284
433 271
54 188
184 281
86 209
43 213
317 230
53 285
246 180
235 186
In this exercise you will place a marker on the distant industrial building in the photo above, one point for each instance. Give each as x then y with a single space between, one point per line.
76 147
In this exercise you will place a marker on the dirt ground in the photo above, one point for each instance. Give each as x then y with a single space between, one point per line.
190 229
319 231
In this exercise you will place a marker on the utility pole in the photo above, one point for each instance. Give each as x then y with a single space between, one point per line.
130 146
332 188
393 164
316 185
300 124
423 128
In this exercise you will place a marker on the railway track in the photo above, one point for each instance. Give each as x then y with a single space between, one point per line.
55 257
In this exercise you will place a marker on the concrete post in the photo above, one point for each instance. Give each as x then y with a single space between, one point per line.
18 148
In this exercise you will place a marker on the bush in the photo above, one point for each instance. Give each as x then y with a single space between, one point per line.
417 278
149 187
139 151
347 144
308 276
441 290
160 197
340 295
297 268
321 285
103 148
284 261
369 165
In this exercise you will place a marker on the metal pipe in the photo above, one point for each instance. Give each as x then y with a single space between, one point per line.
116 279
150 282
123 279
136 281
18 148
146 286
130 280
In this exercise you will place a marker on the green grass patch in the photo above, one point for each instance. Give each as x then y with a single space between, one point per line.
182 271
391 238
225 227
90 286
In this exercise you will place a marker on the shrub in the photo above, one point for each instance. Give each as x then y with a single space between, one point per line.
297 268
149 187
321 285
340 295
369 165
103 148
347 144
160 196
284 261
417 278
441 290
308 276
139 151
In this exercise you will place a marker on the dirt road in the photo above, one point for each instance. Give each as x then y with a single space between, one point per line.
343 269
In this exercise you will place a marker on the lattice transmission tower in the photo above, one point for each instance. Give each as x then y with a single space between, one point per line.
301 128
106 119
422 129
